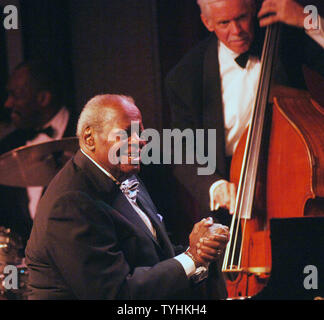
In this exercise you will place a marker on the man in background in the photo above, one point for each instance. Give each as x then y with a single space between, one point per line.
37 111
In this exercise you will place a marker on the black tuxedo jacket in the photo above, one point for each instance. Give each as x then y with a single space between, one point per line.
194 94
195 99
14 212
87 242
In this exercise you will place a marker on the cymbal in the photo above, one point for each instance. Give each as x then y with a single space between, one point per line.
36 165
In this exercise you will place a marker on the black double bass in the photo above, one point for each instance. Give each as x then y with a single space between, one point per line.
278 167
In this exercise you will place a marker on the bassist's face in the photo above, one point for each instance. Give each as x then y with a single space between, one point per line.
232 22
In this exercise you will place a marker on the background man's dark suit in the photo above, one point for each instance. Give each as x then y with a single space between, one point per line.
14 212
96 246
193 89
194 93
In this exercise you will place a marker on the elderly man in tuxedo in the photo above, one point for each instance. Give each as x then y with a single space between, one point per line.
97 234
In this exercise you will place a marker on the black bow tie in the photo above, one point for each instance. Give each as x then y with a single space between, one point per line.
130 188
242 59
49 131
254 51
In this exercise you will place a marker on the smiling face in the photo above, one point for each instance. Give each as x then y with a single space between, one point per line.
232 21
115 146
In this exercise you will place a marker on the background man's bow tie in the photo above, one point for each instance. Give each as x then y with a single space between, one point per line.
49 131
130 188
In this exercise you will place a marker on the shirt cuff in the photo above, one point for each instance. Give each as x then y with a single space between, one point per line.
194 274
187 264
318 34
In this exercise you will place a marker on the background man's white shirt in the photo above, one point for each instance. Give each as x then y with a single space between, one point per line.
59 123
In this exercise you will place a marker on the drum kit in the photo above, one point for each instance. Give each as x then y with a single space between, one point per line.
34 165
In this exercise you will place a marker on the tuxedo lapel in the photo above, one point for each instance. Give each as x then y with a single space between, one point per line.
148 207
162 237
122 205
212 101
107 191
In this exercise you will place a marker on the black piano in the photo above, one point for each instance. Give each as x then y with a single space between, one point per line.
297 246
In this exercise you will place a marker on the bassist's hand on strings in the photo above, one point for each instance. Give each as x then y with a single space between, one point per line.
287 11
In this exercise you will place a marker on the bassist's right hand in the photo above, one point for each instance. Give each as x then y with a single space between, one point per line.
222 194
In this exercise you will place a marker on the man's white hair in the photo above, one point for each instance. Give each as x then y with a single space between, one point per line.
204 5
98 109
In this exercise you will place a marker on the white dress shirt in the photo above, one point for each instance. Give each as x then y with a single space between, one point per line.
58 123
238 87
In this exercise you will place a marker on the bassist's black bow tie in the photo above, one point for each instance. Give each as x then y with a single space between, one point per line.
254 51
242 59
